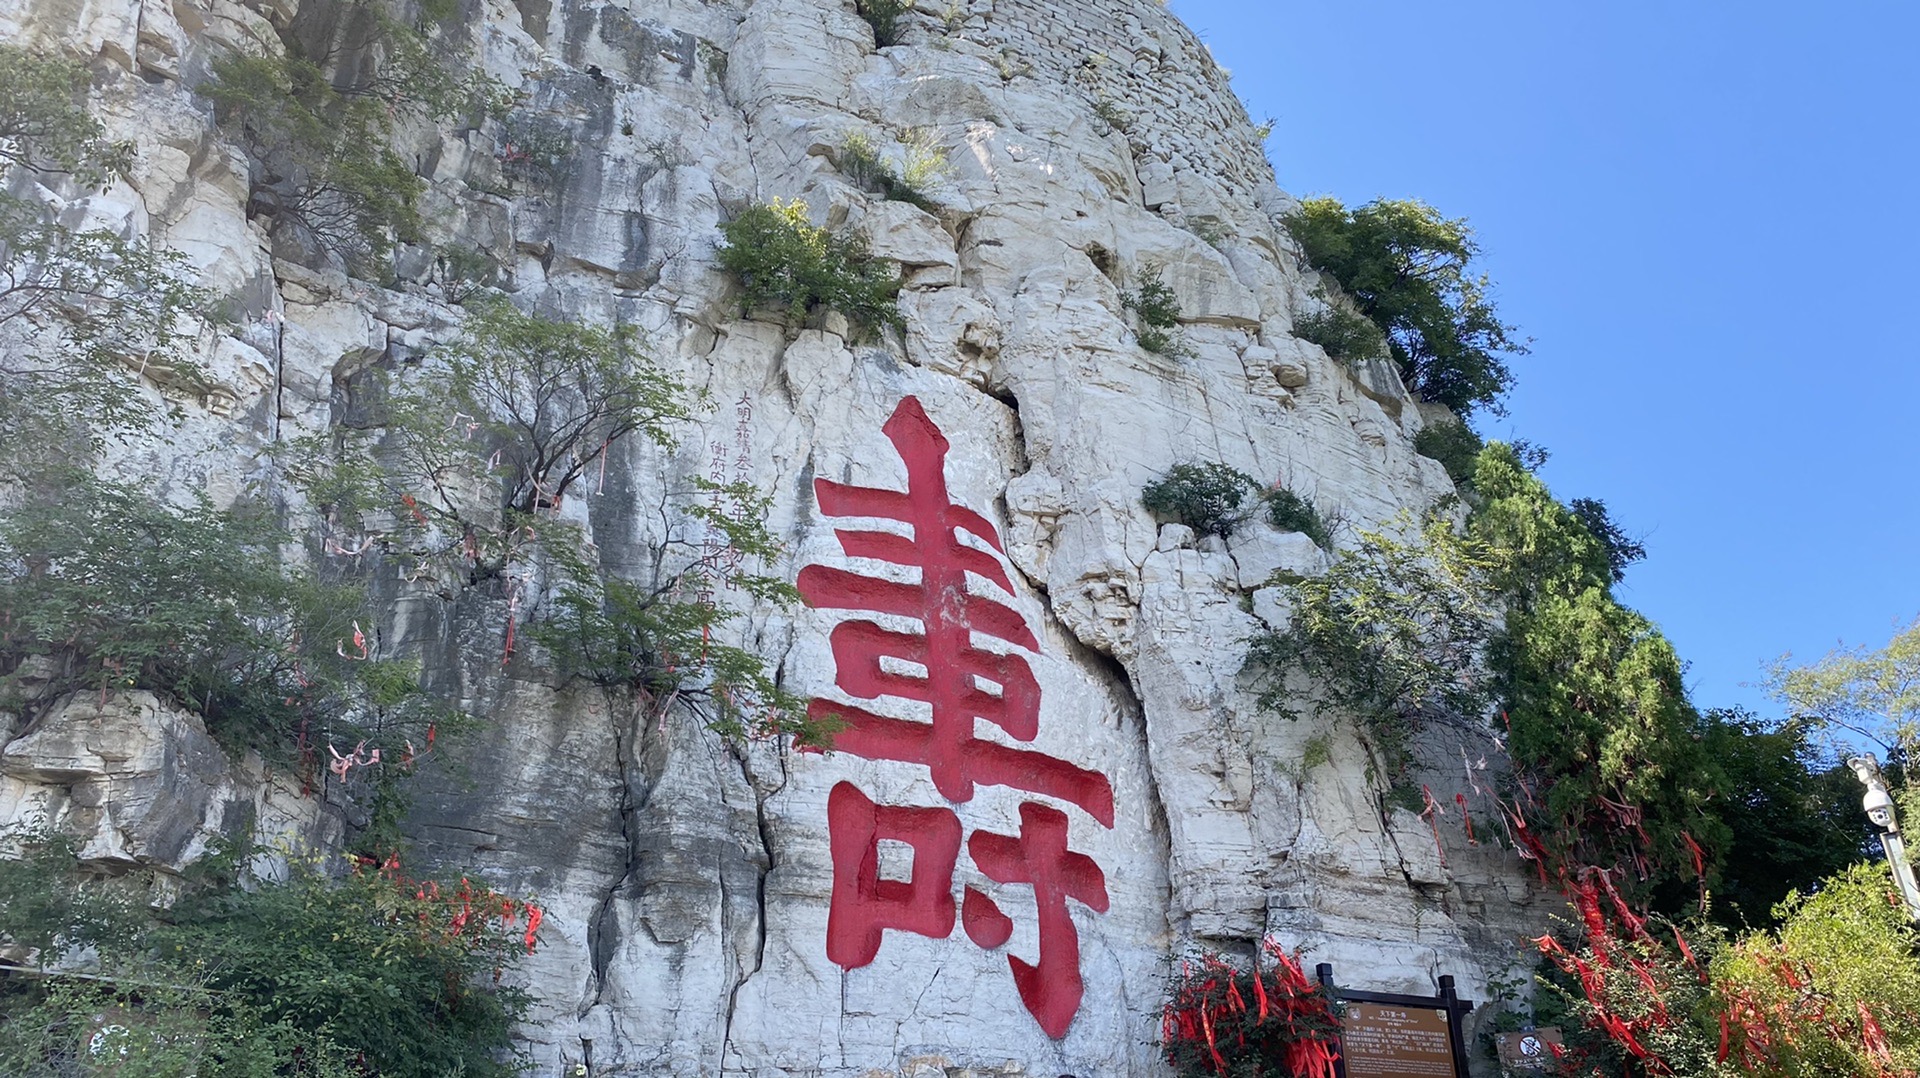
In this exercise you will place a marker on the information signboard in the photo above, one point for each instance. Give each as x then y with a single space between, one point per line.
1379 1040
1389 1035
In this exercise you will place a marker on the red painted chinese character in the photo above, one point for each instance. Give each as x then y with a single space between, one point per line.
1051 989
864 905
950 615
963 684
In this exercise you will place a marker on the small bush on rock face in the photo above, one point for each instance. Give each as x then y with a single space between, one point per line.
884 16
925 164
1204 497
1343 334
1409 271
1292 513
783 260
1157 313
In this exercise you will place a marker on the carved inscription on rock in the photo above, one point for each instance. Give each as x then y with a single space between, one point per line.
944 666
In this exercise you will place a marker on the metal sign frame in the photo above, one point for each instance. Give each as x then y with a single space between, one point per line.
1448 1000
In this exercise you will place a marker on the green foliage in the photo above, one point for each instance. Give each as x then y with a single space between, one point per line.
43 125
1204 497
923 164
1408 270
370 974
45 907
1394 631
653 645
1514 613
156 1030
1592 691
324 165
1848 944
552 396
1621 550
1343 333
107 589
784 261
464 482
1156 311
403 972
485 441
82 311
1454 444
1292 512
1872 694
1831 993
1111 113
1792 814
884 16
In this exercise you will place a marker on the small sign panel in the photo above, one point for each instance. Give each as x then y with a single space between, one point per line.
1382 1040
1529 1051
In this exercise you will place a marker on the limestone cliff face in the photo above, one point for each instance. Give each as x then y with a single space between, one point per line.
690 884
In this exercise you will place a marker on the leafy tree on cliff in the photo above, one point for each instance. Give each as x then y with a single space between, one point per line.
1408 269
83 309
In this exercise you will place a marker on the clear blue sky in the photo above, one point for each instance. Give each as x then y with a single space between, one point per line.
1707 217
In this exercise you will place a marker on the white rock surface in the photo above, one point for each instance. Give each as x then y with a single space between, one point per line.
689 884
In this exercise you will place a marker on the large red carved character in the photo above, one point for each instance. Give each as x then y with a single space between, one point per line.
950 616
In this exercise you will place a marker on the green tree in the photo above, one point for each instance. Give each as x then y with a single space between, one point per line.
82 310
320 133
1394 632
1454 444
1621 549
1409 270
1515 613
1156 313
1205 497
462 476
1873 694
1791 813
1592 691
105 588
316 977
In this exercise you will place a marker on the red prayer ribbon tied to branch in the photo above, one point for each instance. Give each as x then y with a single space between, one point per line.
950 616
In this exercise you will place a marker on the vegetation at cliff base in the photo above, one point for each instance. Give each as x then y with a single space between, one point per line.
1409 271
369 973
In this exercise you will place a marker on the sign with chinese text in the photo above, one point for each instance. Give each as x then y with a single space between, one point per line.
942 665
1391 1041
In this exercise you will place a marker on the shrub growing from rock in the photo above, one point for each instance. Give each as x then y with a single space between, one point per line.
1204 497
1409 271
784 261
1156 312
1292 512
1342 333
1454 444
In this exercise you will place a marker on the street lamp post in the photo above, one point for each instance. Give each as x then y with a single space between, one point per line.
1879 805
